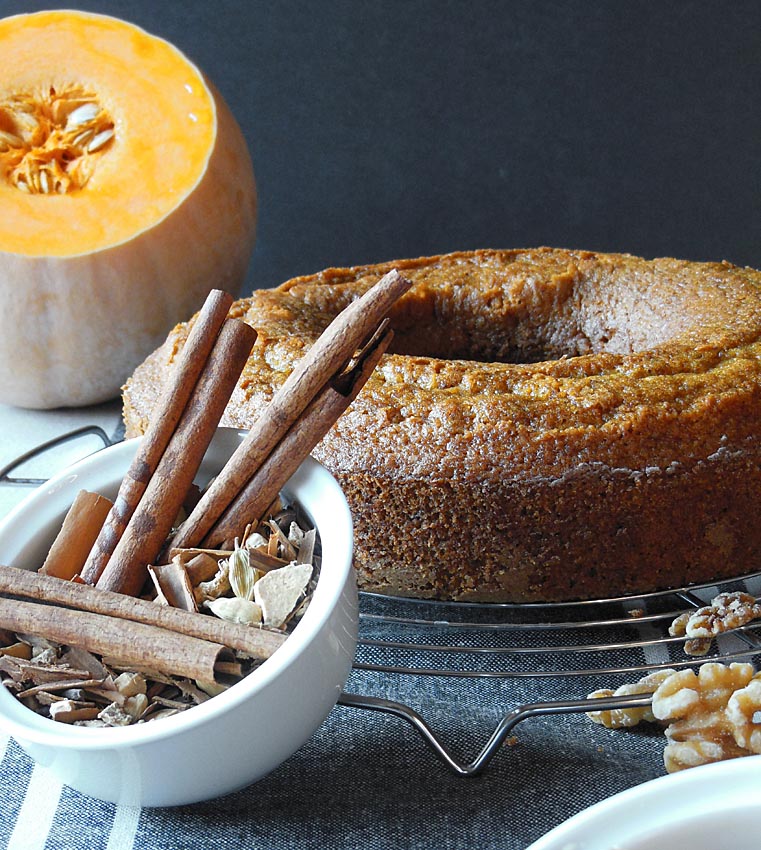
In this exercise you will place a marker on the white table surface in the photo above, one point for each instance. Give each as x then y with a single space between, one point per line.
23 430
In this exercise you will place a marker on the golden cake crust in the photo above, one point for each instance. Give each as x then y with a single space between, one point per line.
552 425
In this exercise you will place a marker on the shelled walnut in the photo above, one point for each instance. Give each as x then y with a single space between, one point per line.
619 718
726 611
710 715
694 704
744 713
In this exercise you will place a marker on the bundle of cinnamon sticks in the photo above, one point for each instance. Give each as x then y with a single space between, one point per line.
104 549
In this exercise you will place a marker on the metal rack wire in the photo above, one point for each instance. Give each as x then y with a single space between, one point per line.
6 476
566 649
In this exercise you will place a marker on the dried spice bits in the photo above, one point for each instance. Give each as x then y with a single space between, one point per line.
252 585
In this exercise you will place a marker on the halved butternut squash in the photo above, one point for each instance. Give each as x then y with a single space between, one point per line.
127 194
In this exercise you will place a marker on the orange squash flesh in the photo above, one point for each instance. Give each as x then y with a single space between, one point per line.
127 194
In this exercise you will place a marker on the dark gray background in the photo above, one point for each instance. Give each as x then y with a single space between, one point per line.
382 130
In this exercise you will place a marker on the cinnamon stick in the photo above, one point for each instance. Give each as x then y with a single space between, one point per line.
171 404
81 527
152 519
299 441
256 643
134 643
327 357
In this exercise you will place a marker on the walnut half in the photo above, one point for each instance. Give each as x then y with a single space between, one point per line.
699 731
617 718
712 715
744 713
726 611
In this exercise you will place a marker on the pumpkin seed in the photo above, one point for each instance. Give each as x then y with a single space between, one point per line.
83 114
10 140
81 139
100 140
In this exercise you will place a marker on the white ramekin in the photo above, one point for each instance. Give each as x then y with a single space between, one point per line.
236 737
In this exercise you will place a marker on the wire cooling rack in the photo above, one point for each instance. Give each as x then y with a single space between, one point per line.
561 651
566 649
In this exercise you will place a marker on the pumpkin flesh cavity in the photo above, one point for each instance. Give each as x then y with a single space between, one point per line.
131 112
51 140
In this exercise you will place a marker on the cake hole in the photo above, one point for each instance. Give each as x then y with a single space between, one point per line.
449 344
531 319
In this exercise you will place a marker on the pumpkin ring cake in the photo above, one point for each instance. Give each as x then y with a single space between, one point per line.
550 425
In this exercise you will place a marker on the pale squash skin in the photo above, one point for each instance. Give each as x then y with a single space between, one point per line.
73 328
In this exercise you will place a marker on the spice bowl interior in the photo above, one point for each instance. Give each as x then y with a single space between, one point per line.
236 737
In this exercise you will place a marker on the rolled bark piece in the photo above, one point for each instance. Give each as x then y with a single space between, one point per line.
324 360
152 519
256 643
171 582
171 404
133 643
81 526
316 421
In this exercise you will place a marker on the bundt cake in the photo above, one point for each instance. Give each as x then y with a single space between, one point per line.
551 424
